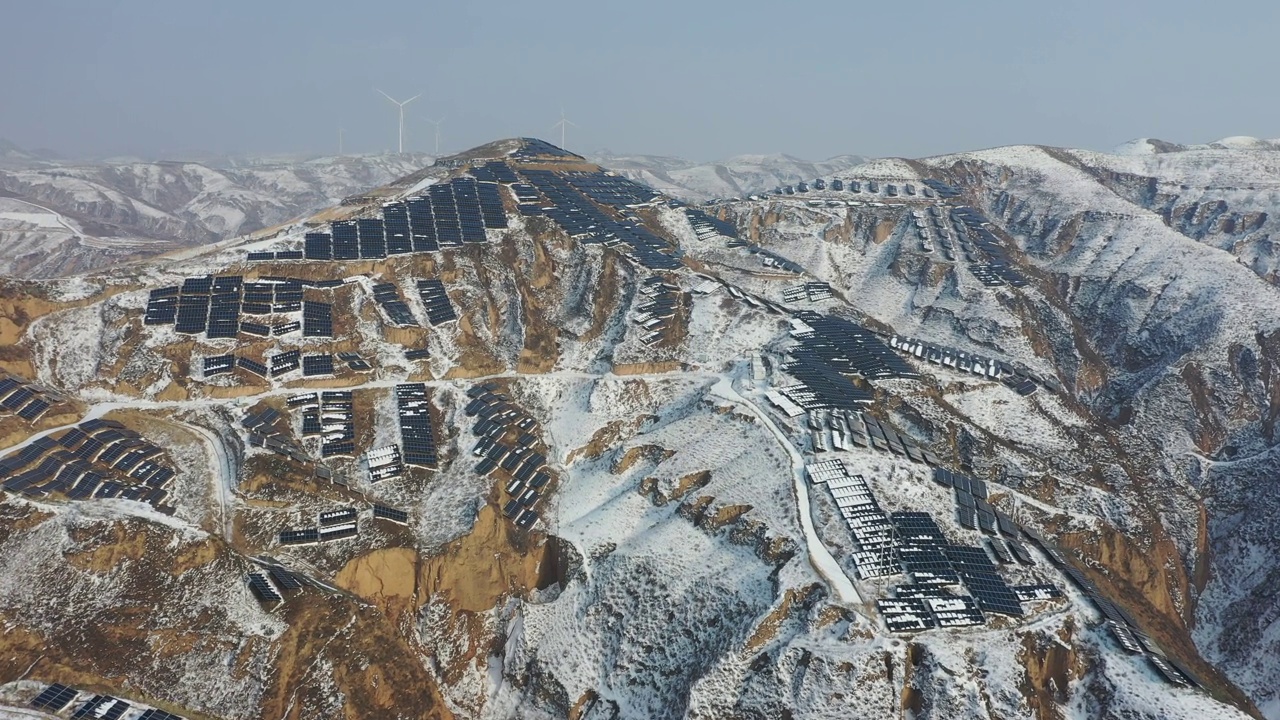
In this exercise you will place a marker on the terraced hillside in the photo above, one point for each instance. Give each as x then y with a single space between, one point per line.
514 436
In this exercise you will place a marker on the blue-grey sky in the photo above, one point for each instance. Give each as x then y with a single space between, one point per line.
697 79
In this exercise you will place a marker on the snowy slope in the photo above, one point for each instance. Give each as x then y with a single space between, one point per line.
115 212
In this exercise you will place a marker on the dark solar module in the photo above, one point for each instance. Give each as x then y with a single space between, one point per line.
218 364
372 238
998 549
102 707
317 246
54 698
317 319
335 517
705 225
289 255
337 448
254 328
849 349
1020 552
439 308
311 423
416 435
302 400
18 398
261 256
317 365
338 532
531 148
987 522
252 366
284 362
284 579
386 513
992 594
345 240
34 410
417 354
299 537
262 589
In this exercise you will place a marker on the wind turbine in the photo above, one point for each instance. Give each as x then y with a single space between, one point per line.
401 105
437 123
564 122
341 130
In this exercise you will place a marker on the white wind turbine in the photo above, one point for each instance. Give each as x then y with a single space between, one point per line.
564 122
437 123
401 105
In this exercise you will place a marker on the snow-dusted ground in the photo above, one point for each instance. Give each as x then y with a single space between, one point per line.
709 580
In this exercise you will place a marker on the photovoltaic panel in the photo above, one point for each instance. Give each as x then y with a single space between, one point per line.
54 698
387 513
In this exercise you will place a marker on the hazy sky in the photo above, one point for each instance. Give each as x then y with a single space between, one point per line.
696 79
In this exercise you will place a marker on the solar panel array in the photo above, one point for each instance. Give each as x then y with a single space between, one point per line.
1124 628
317 364
214 305
261 255
566 202
397 311
998 270
54 698
450 214
508 441
98 458
416 436
912 543
943 189
384 463
708 227
317 319
262 588
337 423
383 512
845 348
303 536
533 148
439 308
495 172
875 554
980 365
24 399
810 292
102 707
269 429
656 311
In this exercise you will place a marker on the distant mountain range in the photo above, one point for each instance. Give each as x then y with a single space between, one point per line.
737 176
59 217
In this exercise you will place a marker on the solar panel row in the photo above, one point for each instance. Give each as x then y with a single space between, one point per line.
439 308
581 218
388 297
416 436
26 400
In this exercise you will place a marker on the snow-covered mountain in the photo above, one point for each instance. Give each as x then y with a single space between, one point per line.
58 219
736 177
1034 318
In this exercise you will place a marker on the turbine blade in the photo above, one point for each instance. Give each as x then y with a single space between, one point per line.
386 95
415 97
